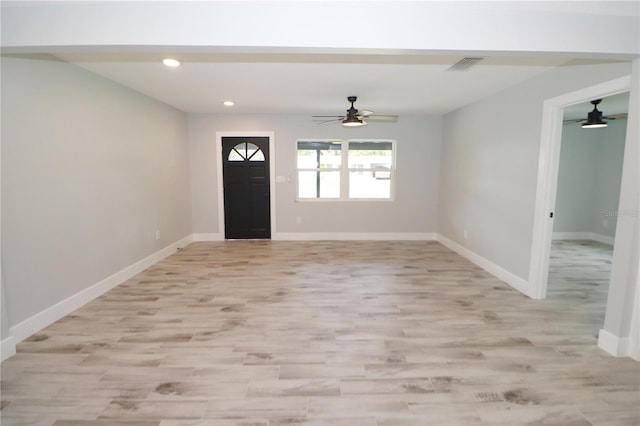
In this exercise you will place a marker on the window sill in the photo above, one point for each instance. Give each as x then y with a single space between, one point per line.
342 200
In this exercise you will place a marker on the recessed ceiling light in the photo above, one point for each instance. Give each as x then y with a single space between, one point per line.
170 62
228 103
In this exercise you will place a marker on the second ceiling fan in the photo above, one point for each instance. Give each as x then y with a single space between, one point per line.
354 117
595 118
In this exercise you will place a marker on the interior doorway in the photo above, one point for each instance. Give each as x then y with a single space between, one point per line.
553 114
587 197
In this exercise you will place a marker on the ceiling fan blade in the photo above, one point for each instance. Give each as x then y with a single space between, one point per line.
353 116
334 120
622 116
382 117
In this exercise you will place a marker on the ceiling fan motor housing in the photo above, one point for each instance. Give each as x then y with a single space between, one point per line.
353 110
594 116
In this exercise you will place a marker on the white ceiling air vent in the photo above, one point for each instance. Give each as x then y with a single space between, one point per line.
464 64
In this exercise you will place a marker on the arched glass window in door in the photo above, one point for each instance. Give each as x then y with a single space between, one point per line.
246 151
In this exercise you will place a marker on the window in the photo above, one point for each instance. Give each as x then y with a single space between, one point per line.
370 169
345 169
319 169
244 151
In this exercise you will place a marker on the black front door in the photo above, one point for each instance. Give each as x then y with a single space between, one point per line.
245 172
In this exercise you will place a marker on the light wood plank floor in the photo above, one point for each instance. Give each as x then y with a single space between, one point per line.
318 333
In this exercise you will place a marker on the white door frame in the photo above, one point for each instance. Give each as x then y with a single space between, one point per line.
272 173
548 164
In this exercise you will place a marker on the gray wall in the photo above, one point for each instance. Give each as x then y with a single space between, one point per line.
90 170
4 318
490 163
417 161
589 178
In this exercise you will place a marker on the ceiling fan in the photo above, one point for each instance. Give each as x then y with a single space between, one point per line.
354 117
595 118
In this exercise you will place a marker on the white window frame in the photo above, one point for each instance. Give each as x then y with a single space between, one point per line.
344 170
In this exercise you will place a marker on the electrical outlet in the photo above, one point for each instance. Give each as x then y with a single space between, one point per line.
298 220
465 234
157 234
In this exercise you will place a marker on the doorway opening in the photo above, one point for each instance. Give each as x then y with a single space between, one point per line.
587 198
548 166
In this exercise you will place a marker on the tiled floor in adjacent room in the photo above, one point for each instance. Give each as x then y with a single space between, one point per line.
328 333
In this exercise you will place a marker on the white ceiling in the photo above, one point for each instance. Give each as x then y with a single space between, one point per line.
298 63
313 83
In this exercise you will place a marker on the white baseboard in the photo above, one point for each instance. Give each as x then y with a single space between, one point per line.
604 239
634 331
612 344
208 237
7 348
499 272
32 325
591 236
354 236
332 236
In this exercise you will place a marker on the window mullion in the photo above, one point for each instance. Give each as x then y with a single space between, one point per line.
318 173
344 170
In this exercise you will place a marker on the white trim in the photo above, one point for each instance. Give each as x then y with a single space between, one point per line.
355 236
591 236
548 163
208 237
634 332
272 173
7 348
50 315
499 272
614 345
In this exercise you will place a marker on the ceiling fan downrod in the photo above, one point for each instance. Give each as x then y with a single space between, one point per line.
352 110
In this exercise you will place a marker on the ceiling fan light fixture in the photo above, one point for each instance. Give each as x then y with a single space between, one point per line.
594 125
353 121
594 118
